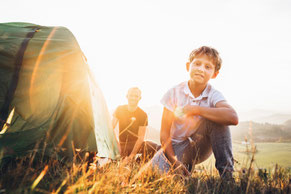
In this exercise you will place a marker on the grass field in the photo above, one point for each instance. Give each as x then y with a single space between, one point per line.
29 175
266 156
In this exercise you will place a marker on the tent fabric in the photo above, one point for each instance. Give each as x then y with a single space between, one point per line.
53 101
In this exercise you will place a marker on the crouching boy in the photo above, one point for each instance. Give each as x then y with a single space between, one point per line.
195 119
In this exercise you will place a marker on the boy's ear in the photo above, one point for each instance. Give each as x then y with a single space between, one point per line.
215 74
187 66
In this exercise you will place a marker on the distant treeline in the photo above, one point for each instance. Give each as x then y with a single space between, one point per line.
262 132
258 132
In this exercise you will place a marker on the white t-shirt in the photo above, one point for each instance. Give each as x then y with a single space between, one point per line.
178 97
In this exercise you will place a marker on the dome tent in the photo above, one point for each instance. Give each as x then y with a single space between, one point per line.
48 97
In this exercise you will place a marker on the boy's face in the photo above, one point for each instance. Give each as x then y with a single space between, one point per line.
201 70
133 97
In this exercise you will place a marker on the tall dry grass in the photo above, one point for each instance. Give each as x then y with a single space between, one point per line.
26 175
40 174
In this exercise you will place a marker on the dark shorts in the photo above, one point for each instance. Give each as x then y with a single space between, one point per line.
147 149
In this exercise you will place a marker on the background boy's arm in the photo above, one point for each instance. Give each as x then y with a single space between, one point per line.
167 119
223 113
141 134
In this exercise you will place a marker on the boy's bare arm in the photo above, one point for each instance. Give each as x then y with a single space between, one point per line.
141 134
167 119
165 137
223 113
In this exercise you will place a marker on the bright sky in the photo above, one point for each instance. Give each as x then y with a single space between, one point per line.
146 43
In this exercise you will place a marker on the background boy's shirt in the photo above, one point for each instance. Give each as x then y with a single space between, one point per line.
137 118
180 96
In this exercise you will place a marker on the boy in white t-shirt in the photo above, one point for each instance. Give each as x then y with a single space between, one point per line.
195 119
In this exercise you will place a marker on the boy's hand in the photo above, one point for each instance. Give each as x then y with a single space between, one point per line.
191 110
181 169
179 112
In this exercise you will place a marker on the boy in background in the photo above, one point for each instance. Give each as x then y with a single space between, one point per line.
132 122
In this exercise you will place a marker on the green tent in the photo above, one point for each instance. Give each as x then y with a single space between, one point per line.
49 101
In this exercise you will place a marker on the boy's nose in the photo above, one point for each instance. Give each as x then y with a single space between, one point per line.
201 68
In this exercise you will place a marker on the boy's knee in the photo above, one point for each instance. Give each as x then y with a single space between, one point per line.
212 126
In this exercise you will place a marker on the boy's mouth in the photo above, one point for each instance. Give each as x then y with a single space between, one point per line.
199 75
